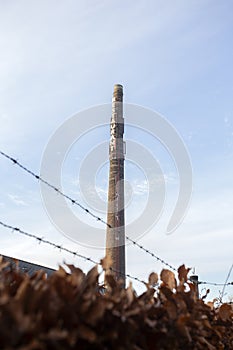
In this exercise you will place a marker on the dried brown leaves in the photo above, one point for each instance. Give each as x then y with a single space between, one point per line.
69 311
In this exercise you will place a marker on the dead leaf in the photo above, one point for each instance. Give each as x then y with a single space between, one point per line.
168 279
153 279
225 312
183 273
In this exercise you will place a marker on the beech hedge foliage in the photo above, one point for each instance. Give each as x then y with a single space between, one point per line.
71 311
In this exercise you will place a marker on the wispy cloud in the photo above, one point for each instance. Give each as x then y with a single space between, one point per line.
17 200
139 187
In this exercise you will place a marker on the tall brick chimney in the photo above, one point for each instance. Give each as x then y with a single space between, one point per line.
115 238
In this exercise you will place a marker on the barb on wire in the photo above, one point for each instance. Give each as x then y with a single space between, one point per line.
54 245
74 202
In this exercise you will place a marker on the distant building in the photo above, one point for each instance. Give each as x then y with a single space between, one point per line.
28 267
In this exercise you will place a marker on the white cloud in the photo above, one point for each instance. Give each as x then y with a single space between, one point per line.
17 200
139 187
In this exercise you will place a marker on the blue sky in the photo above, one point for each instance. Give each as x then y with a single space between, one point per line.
175 57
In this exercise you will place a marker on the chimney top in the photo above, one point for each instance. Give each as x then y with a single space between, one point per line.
118 92
118 87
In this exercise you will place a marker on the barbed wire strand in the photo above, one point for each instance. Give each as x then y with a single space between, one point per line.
215 283
89 259
54 245
75 202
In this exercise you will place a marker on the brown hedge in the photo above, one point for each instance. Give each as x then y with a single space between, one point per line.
69 311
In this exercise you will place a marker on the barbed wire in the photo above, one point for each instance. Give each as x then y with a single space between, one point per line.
89 259
75 202
54 245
